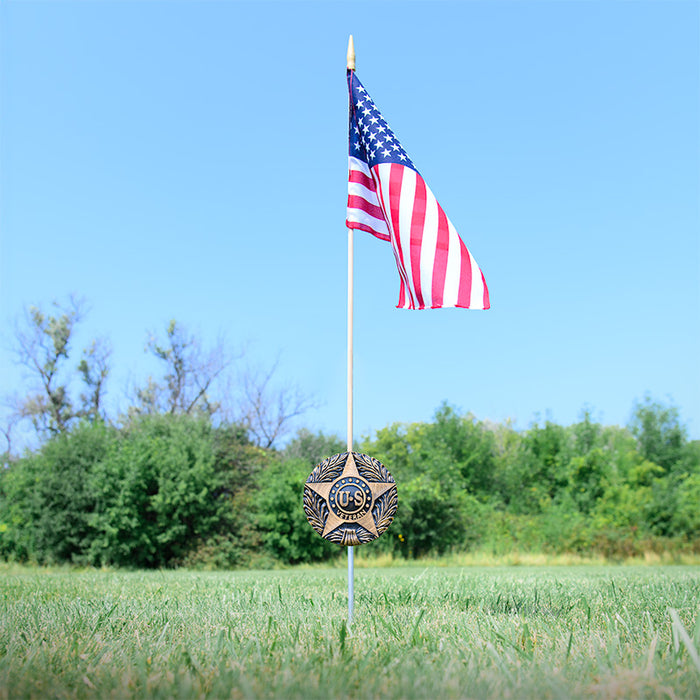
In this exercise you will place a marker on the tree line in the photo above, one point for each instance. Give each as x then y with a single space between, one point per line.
66 385
179 481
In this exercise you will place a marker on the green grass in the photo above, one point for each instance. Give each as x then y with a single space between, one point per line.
428 632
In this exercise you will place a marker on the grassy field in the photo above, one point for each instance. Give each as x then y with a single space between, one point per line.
426 632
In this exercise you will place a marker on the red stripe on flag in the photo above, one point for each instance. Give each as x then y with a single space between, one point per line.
417 226
464 293
361 179
393 184
402 295
367 229
440 260
395 193
357 202
487 300
395 180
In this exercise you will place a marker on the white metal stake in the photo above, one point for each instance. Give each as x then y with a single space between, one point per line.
351 584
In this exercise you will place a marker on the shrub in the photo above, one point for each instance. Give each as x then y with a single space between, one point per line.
48 498
284 530
157 493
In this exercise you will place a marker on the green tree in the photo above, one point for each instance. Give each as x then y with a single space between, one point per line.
460 448
238 464
432 519
190 374
444 472
44 349
269 409
686 515
589 466
313 447
587 475
285 532
394 446
539 471
661 437
48 498
158 494
199 381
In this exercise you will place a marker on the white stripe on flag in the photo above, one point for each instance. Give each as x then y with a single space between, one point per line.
408 196
454 267
362 217
476 299
427 253
383 173
360 165
359 190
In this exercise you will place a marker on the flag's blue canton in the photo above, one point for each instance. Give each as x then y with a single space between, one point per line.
371 139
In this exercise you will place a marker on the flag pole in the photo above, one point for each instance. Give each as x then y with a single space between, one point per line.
351 553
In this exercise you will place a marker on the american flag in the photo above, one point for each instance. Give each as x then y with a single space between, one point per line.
388 198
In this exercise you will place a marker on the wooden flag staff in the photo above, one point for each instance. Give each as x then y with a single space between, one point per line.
351 551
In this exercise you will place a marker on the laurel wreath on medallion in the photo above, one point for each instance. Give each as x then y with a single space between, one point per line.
328 470
316 510
385 509
372 469
342 530
350 536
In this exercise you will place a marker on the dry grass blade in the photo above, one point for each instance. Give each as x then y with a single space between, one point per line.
685 638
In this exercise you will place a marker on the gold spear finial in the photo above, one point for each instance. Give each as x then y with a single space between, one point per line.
351 54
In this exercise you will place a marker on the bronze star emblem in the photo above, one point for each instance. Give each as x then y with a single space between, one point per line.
352 498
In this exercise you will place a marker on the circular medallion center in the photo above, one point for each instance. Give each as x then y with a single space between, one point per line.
350 498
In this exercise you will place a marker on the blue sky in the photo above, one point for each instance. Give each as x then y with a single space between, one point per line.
188 160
